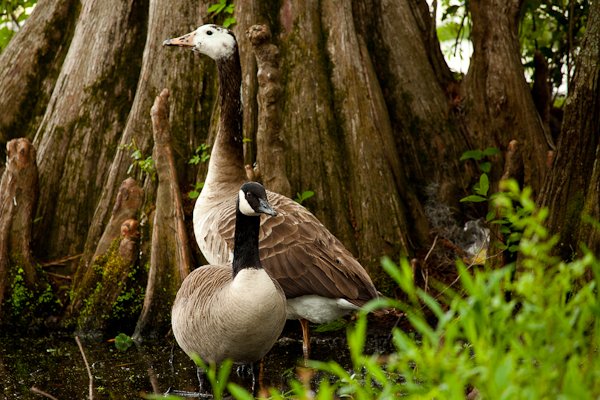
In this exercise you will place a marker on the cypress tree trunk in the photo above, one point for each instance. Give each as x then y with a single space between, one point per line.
572 188
30 66
498 102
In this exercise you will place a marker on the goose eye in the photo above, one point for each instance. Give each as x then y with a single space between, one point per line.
209 32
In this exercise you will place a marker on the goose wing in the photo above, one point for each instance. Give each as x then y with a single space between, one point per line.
301 254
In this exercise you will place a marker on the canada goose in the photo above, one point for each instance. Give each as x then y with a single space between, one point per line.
321 279
234 311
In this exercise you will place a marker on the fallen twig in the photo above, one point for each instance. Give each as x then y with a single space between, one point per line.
87 367
42 393
60 261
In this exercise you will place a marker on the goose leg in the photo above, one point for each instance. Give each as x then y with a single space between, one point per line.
305 339
261 376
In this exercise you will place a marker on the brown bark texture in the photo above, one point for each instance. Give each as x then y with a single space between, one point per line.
30 67
18 197
572 188
170 258
107 268
270 147
497 100
97 299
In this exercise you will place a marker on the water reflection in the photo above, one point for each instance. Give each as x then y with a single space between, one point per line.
54 365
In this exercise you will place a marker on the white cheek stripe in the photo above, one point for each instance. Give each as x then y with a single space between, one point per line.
245 207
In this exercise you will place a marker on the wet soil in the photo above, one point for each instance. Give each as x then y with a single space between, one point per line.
54 364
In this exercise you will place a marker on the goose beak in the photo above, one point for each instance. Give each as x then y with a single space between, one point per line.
266 208
186 40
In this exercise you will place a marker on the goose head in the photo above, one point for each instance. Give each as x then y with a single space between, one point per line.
252 200
212 40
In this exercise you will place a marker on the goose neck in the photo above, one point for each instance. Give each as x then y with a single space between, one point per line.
245 249
227 156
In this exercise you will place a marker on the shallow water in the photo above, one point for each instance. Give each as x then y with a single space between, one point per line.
55 365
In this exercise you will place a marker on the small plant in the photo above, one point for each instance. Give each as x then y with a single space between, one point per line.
145 164
193 194
123 342
305 195
225 8
201 155
482 187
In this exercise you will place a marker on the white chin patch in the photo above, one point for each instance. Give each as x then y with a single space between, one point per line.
245 207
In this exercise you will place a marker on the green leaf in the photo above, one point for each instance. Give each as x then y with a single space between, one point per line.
484 185
215 8
229 21
238 392
473 199
472 155
123 342
486 167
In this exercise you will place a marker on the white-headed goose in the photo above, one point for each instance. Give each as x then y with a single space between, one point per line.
234 311
320 277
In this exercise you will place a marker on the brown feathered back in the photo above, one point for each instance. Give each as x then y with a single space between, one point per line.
296 249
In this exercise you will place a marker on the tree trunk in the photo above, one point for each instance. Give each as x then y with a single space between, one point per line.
270 147
85 116
19 275
188 77
572 188
170 260
30 66
96 288
498 102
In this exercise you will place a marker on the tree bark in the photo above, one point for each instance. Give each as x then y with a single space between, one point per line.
112 291
188 77
30 66
87 111
170 260
18 197
572 188
498 103
106 256
270 147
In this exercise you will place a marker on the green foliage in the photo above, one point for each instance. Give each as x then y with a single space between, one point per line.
217 375
25 303
201 155
555 28
123 342
193 194
305 195
481 188
222 9
13 14
138 160
533 335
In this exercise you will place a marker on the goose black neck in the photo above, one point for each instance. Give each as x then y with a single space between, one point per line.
245 248
231 118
